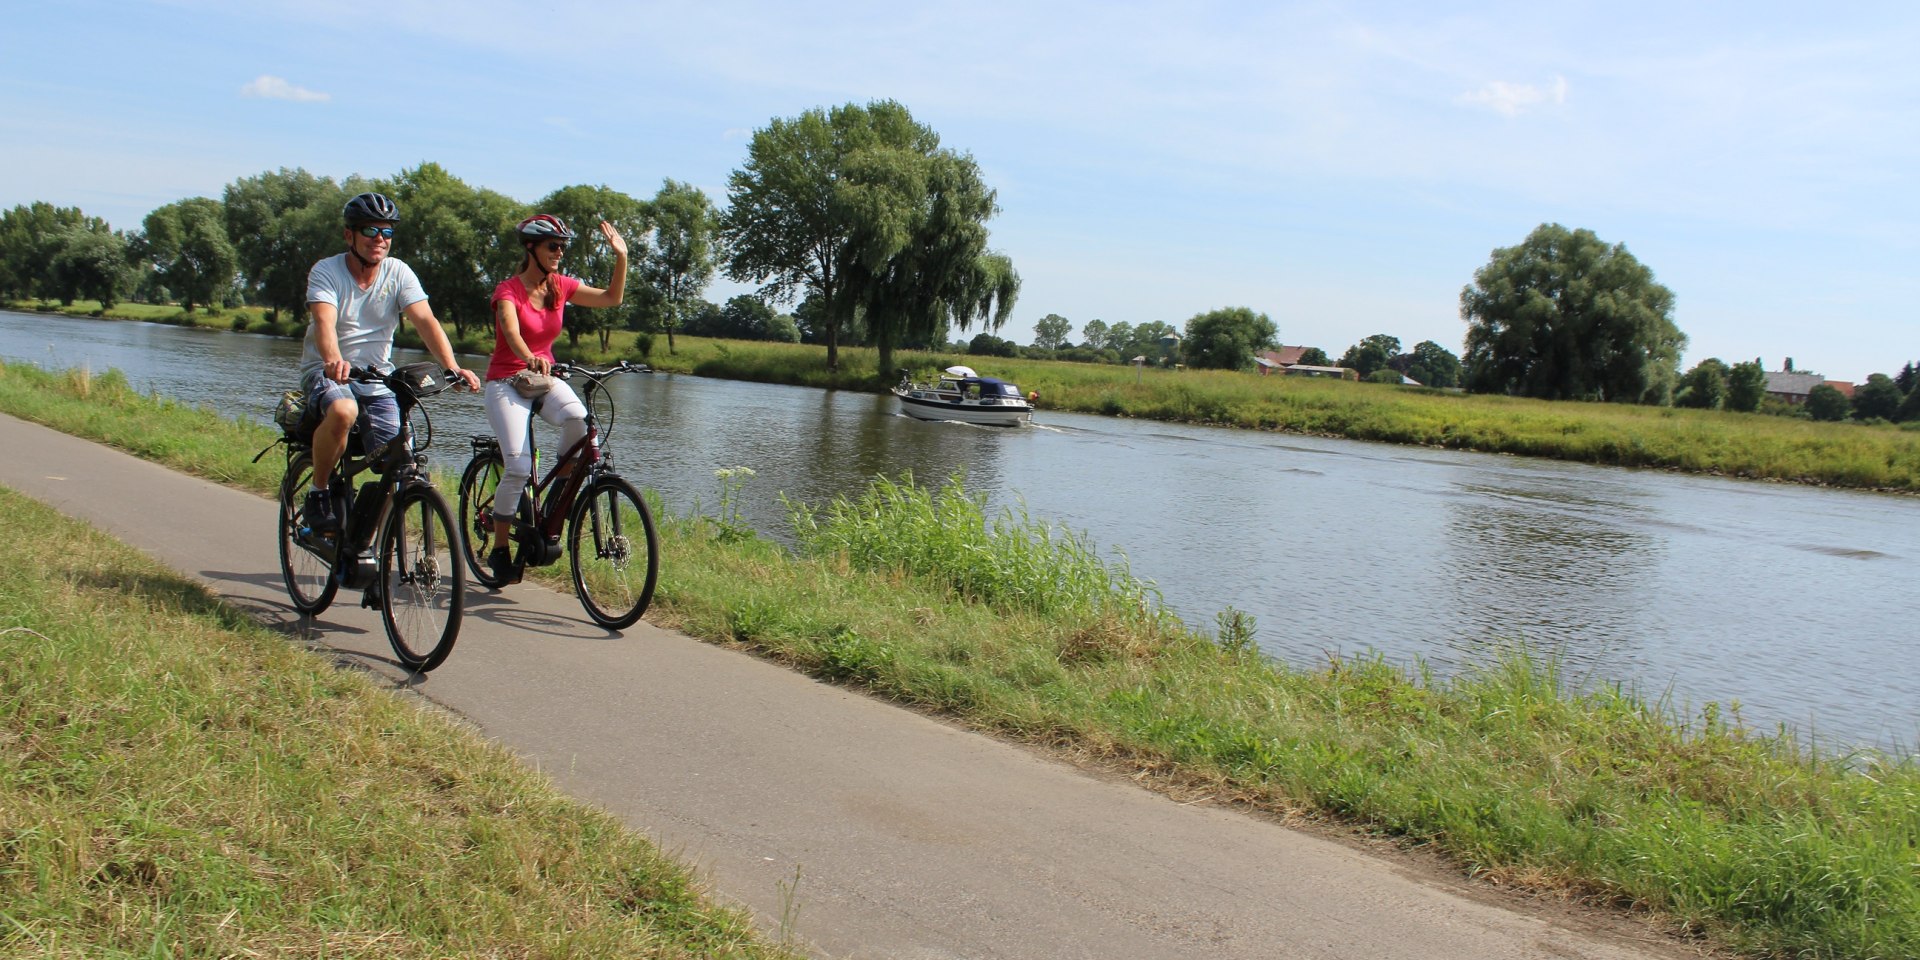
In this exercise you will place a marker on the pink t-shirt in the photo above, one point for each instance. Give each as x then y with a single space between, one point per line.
538 328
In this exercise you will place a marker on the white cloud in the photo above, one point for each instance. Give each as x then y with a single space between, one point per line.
270 87
1513 99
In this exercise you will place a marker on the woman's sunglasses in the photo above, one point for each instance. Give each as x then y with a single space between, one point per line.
383 232
555 246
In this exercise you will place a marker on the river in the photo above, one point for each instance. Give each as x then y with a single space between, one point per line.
1800 604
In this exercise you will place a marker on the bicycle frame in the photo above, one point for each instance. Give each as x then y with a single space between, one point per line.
552 496
397 467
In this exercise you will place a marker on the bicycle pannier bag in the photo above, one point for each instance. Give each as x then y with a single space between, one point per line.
293 406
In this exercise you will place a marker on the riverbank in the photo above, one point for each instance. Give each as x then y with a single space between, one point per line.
181 781
1743 838
1878 457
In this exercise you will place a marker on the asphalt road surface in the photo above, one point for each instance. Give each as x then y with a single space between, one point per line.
858 828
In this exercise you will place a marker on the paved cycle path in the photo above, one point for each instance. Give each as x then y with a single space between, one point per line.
864 829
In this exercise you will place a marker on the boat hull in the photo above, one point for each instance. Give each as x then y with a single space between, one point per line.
964 411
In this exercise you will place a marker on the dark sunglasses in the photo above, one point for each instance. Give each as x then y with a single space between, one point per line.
555 246
386 232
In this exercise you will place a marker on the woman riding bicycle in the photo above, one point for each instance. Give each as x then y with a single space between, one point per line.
528 309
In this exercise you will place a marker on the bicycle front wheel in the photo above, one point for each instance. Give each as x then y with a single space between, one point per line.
615 552
422 582
306 563
477 484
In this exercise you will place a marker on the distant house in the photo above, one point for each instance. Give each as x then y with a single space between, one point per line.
1796 387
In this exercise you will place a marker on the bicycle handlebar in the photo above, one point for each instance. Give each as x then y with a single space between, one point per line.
567 370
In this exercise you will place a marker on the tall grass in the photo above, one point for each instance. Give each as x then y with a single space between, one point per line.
1009 561
176 780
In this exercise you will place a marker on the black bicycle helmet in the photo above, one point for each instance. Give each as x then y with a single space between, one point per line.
371 208
544 226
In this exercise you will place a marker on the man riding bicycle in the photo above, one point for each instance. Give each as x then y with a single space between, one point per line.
356 300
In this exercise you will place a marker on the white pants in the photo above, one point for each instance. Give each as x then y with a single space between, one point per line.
507 412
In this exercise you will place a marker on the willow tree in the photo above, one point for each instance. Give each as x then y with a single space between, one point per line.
861 210
1565 316
944 276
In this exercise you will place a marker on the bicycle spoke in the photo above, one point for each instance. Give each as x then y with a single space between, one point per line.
614 552
422 587
306 564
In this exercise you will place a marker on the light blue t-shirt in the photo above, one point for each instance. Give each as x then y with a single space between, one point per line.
365 319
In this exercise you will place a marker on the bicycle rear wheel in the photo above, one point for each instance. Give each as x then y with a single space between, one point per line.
305 564
477 484
422 582
614 551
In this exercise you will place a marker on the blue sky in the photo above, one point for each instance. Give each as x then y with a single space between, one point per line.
1343 168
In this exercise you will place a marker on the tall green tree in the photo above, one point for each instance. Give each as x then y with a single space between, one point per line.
1746 386
1909 409
859 209
789 221
187 241
1371 354
943 276
281 223
589 258
1051 331
684 252
1878 398
30 235
681 261
1153 339
1120 338
1430 363
1564 316
90 262
1227 339
1908 379
1316 357
1705 386
459 240
1094 334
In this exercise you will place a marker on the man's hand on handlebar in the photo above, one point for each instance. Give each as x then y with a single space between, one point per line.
337 370
469 381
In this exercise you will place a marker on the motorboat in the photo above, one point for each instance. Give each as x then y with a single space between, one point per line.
963 395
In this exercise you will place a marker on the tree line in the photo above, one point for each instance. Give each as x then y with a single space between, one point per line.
857 213
1560 316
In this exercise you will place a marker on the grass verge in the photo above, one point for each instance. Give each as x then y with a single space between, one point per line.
176 780
1742 838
